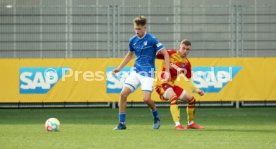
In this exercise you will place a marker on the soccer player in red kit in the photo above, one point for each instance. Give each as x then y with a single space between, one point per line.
168 91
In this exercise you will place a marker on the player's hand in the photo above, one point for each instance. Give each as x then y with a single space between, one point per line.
167 76
114 71
200 92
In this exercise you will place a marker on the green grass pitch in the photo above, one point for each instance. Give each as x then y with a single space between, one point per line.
92 128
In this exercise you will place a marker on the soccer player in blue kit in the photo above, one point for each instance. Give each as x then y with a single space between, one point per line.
145 47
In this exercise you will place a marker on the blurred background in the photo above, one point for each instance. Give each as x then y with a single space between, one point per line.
101 28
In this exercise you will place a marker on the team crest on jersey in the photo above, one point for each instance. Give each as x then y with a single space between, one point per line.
145 43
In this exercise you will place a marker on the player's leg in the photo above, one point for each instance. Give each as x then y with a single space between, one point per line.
147 87
172 96
190 109
147 99
123 103
130 84
156 118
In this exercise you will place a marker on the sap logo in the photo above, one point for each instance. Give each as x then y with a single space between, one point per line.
213 79
114 83
34 80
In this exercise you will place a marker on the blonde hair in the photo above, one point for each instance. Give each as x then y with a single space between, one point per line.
140 20
186 42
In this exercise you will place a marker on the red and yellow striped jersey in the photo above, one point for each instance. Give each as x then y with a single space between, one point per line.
178 65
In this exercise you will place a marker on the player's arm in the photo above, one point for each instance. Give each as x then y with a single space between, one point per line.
194 88
127 58
166 56
190 82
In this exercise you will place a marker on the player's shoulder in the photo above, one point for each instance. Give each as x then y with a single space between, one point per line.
151 37
134 37
171 51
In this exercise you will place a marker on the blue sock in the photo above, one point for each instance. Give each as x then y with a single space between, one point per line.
122 117
155 115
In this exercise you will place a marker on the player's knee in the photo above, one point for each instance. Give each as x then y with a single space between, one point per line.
123 94
191 100
170 94
147 99
147 96
185 96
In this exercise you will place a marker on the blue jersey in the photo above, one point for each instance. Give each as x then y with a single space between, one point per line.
145 49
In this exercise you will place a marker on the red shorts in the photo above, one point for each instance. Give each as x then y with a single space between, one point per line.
161 89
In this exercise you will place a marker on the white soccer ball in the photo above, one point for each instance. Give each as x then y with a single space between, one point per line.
52 124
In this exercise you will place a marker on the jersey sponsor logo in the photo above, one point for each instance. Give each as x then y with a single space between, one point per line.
214 79
114 83
39 80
